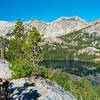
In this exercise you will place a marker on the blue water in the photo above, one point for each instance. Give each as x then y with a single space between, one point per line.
93 84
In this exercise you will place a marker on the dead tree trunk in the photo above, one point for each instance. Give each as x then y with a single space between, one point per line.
2 53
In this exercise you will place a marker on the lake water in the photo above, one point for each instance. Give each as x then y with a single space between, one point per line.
79 68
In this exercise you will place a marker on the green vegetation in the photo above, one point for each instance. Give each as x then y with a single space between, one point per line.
24 51
72 45
54 54
68 50
81 89
4 43
44 72
15 47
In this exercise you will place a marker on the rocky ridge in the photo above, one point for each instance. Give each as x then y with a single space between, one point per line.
56 28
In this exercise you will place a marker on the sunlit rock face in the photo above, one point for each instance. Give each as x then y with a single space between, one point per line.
6 27
38 89
5 73
56 28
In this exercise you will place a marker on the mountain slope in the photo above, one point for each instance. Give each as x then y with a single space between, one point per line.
6 27
58 27
75 45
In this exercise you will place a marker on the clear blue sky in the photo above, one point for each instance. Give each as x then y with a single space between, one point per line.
48 10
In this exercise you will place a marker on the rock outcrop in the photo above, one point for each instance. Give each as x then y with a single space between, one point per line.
5 73
33 88
38 89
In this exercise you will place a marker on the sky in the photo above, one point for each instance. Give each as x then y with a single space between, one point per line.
48 10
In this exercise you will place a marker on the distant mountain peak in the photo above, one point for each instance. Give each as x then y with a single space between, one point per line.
97 20
62 18
74 18
34 20
77 18
3 21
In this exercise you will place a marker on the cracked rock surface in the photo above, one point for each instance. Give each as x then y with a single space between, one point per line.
38 89
4 70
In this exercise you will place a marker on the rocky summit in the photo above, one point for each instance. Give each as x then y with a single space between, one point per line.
61 26
33 88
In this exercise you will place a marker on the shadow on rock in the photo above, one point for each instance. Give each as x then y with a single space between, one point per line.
24 93
32 95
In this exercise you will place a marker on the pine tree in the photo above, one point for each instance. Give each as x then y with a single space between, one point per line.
15 52
32 51
32 48
24 51
14 49
18 30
